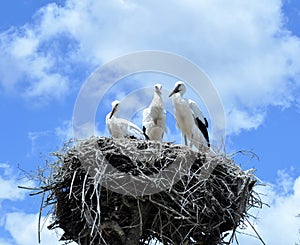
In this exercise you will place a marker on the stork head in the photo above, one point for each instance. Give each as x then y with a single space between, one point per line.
179 87
158 88
115 106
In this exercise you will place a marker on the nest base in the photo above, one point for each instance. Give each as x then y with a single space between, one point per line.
192 210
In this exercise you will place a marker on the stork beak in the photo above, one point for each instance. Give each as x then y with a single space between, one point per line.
112 112
174 92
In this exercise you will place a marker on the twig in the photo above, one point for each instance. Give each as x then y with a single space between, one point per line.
258 236
40 216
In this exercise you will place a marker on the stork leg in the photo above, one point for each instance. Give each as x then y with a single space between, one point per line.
185 139
191 141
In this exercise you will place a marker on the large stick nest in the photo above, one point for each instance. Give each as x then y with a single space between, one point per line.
123 191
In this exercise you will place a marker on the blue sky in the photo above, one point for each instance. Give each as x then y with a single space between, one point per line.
249 49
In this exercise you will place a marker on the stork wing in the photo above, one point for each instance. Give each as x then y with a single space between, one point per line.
146 123
136 132
130 129
164 118
200 120
147 120
197 112
159 120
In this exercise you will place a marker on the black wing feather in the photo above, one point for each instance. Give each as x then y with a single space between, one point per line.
206 122
144 132
203 128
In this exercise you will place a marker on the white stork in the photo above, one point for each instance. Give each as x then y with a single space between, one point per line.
154 117
120 127
188 117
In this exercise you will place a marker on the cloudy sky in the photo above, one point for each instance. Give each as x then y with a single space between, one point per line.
250 50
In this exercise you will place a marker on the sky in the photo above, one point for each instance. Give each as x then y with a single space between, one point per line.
250 50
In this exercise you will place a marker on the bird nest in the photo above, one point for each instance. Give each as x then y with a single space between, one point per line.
123 191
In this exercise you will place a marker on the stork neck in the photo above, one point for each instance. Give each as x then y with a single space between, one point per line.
157 98
157 94
177 98
115 113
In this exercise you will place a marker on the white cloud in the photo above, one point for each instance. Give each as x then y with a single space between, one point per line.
64 132
277 224
35 138
239 119
243 46
9 183
23 228
5 242
27 70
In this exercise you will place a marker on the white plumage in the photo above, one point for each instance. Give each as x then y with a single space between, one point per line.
120 127
154 117
189 117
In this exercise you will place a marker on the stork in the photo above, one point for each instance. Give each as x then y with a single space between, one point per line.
154 116
120 127
188 117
